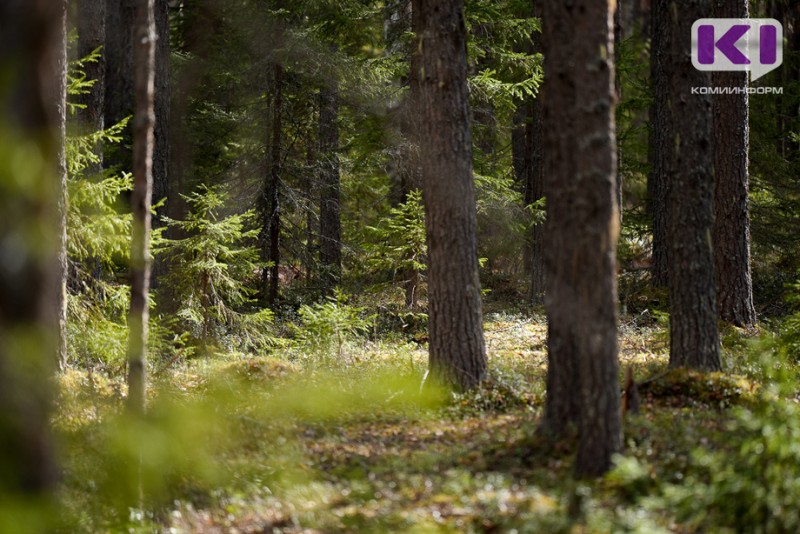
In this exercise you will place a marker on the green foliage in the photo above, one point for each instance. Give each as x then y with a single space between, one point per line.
326 327
397 243
212 274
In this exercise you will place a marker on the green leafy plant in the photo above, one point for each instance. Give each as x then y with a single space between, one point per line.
213 274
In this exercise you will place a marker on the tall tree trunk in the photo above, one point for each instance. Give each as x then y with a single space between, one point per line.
688 158
621 28
731 179
330 247
456 351
30 41
526 156
143 126
60 103
118 99
271 231
581 231
161 106
91 36
659 140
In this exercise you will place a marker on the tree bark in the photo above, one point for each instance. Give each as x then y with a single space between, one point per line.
581 231
526 156
60 103
457 354
330 247
118 99
143 126
731 184
658 141
91 36
30 41
271 230
161 148
694 339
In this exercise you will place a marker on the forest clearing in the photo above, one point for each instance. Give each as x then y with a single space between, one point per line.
399 266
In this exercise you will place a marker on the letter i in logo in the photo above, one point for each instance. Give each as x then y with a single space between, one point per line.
754 45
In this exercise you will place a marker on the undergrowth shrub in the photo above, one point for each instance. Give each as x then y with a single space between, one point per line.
213 275
326 327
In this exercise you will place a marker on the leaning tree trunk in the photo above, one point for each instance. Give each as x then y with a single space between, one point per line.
658 144
456 351
30 44
688 138
143 126
330 246
731 179
581 231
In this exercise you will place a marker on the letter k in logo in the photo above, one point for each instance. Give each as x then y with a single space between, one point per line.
726 44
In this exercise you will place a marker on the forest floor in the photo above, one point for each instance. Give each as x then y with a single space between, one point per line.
351 442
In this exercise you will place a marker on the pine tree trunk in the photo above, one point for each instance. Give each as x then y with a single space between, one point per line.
731 183
143 126
456 352
658 140
581 231
162 110
61 111
271 230
330 247
31 39
118 51
688 139
91 36
526 149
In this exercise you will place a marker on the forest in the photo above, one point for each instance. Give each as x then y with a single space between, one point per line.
399 266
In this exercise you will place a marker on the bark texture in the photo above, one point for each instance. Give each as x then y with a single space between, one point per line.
457 354
581 230
694 340
658 140
118 51
91 36
30 37
731 185
161 105
270 201
59 101
143 126
526 156
330 246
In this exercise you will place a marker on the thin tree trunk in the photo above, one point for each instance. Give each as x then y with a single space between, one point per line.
30 41
143 126
91 36
457 353
161 149
527 157
694 339
118 99
60 103
659 141
330 247
581 231
271 231
731 183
